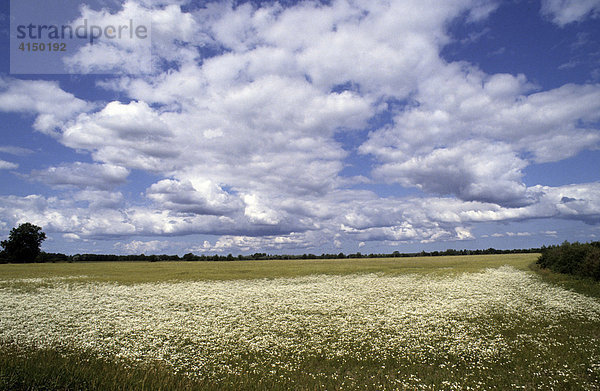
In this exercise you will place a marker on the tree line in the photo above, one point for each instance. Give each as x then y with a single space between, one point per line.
52 257
44 257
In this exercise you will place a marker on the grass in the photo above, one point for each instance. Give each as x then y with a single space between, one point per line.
50 369
143 272
418 323
583 285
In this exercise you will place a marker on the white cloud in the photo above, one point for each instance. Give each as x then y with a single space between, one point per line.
355 219
71 237
230 243
131 135
474 170
257 212
563 12
141 247
102 57
467 134
203 197
122 52
56 215
511 234
17 151
99 199
463 233
169 34
45 98
4 165
83 175
244 137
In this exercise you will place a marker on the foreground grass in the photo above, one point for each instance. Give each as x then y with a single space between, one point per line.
49 369
142 272
534 367
422 323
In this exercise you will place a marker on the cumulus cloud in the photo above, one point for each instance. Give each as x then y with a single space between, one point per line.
228 243
70 237
244 136
474 170
99 199
83 175
203 197
131 135
64 216
169 35
354 219
52 105
141 247
122 52
467 134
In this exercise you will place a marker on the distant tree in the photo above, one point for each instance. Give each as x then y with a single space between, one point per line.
189 257
23 244
44 257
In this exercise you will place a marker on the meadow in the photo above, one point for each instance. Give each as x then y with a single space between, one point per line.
476 322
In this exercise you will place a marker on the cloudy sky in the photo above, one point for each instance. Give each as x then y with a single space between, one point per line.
284 127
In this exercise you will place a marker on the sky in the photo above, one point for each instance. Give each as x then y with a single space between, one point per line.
307 127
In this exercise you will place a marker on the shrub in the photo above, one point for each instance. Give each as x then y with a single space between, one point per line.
591 263
582 259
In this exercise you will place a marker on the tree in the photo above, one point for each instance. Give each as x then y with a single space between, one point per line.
189 257
23 244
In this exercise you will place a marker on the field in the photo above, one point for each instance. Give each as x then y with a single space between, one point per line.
478 322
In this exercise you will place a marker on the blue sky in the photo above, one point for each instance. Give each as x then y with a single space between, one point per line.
308 127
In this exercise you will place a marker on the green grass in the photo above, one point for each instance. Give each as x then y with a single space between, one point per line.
46 369
140 272
584 285
565 352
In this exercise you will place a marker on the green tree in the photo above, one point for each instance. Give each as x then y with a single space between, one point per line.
23 244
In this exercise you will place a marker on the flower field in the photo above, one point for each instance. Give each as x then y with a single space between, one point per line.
497 328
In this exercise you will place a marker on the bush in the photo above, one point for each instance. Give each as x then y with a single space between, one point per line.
591 264
581 259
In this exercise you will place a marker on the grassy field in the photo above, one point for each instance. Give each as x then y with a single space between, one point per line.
142 272
479 322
